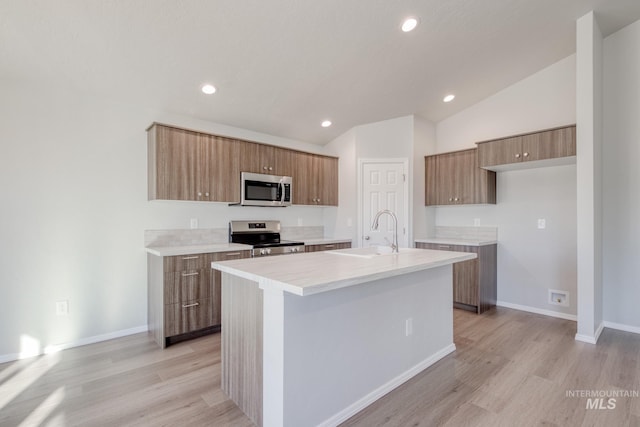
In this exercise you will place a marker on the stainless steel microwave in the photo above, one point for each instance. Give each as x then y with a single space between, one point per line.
265 190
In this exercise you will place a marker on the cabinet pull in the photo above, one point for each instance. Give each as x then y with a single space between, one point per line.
518 156
195 304
526 154
189 257
190 274
444 247
329 246
234 254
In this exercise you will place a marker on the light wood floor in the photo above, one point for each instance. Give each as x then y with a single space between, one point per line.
510 368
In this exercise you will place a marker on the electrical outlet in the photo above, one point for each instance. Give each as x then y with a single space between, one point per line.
62 308
542 223
408 327
193 223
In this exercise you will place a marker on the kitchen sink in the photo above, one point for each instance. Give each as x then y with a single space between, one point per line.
372 252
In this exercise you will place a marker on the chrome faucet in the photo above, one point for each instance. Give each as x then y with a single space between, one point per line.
375 225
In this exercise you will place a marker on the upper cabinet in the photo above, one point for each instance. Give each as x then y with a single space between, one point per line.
315 180
455 179
266 159
190 165
545 148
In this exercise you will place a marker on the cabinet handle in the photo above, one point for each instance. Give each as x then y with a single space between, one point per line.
518 156
190 274
195 304
199 194
451 199
456 199
264 168
526 154
270 168
233 254
329 246
318 200
206 194
189 257
444 247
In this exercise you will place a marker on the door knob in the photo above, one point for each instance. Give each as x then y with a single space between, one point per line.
366 237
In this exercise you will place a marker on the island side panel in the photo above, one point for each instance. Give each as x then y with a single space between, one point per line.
346 348
242 325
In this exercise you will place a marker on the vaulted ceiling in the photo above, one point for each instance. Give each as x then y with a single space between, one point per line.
283 66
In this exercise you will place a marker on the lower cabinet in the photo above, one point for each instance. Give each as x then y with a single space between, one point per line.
184 295
327 247
475 280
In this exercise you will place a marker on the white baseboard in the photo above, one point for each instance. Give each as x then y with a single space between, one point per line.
78 343
376 394
535 310
591 339
621 327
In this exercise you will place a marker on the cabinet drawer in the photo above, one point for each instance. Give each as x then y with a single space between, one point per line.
327 247
185 286
184 317
184 262
447 247
226 256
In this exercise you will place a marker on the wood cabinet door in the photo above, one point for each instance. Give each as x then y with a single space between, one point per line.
465 171
305 185
176 155
260 158
431 185
181 318
283 160
500 152
465 282
327 170
223 175
549 144
216 280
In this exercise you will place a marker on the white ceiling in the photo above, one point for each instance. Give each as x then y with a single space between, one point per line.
283 66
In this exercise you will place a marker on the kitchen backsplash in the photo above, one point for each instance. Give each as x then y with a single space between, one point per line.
470 233
205 236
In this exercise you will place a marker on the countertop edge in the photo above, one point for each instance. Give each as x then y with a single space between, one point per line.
267 283
460 242
195 249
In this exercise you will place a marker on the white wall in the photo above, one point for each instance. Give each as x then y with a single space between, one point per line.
621 174
74 210
424 138
589 176
530 261
342 221
408 137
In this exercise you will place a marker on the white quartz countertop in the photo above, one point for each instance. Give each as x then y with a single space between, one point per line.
452 241
196 249
316 272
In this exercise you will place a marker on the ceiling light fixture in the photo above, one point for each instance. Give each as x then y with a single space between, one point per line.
326 123
409 24
448 98
208 89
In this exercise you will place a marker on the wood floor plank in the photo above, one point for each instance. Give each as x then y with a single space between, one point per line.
510 368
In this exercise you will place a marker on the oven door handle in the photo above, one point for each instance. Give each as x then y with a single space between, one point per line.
281 190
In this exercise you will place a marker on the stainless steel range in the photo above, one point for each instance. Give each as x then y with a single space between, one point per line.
264 236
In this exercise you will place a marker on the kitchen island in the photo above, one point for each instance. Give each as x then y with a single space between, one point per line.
311 339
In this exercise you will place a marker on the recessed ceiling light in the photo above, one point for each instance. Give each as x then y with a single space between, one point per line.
409 24
208 89
326 123
448 98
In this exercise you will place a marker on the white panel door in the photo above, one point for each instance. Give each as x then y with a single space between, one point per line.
383 187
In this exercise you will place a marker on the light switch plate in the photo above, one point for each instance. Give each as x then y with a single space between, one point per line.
542 223
193 223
